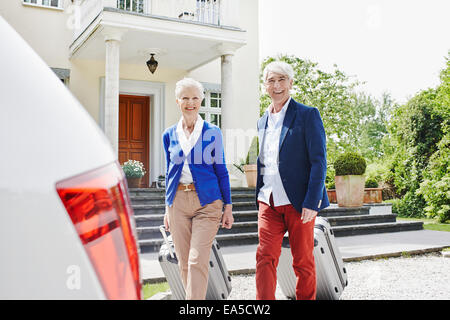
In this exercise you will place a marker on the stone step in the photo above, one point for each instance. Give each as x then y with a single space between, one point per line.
156 191
252 237
155 198
152 232
354 230
154 220
340 211
146 209
361 219
227 237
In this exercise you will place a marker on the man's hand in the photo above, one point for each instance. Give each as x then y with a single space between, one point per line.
308 215
227 217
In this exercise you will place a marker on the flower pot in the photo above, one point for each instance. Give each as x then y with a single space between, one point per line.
350 190
134 182
250 174
332 195
373 195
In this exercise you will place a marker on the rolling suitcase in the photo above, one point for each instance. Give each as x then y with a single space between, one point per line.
330 270
219 280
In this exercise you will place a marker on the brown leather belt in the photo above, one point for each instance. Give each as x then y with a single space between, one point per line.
186 187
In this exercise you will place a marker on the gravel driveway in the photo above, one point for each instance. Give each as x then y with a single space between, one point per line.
424 277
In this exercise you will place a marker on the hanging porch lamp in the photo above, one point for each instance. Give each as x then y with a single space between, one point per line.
152 64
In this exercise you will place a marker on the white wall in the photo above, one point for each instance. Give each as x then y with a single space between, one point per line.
44 29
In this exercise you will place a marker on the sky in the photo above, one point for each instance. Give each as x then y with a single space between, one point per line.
395 46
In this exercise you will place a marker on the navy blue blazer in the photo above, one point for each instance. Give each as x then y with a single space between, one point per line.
302 157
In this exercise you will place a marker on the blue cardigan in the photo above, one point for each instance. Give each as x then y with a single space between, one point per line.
206 162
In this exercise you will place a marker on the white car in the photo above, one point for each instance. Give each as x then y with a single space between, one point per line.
67 228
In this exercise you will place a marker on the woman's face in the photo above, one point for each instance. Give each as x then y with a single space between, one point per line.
189 101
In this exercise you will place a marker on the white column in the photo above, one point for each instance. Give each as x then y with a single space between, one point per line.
227 96
112 43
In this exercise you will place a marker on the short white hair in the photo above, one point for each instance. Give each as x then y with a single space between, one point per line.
280 67
188 83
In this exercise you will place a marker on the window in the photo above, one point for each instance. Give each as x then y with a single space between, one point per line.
46 3
131 5
211 108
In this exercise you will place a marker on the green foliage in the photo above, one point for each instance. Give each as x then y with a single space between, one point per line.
253 151
350 163
133 169
252 155
419 157
435 188
371 183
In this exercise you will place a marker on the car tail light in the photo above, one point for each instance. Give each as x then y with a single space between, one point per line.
98 205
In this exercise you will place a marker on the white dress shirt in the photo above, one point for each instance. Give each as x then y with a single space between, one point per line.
187 144
270 153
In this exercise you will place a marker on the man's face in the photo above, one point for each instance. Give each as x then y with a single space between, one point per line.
278 86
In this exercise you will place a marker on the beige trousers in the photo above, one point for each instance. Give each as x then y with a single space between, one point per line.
193 229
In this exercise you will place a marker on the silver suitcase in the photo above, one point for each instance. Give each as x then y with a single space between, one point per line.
219 280
330 270
169 265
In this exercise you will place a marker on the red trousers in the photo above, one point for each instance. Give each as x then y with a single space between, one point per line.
273 222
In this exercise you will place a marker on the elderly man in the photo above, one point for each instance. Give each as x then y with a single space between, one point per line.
290 188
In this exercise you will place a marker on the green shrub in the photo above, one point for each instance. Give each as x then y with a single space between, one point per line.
371 183
350 163
330 185
436 185
411 205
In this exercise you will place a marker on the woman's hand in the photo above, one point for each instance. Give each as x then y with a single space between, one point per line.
227 217
166 219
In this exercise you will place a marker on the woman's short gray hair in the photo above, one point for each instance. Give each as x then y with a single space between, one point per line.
188 83
280 67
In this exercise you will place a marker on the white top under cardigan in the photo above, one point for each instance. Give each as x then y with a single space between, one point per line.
270 152
187 144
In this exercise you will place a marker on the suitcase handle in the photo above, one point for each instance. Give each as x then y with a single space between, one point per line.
166 240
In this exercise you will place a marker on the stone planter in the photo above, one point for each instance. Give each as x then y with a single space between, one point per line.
373 195
250 174
350 190
134 182
332 195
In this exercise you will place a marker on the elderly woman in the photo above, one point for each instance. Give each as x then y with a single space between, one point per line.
197 188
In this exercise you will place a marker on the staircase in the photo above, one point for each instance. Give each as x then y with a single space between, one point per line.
149 208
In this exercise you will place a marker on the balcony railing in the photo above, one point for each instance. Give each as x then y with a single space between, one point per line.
211 12
204 11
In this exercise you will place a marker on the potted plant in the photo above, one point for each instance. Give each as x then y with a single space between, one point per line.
349 179
134 171
372 194
331 191
161 181
248 167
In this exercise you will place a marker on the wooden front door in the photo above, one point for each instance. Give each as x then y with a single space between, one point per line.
134 119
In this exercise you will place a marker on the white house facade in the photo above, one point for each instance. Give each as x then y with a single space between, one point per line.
100 48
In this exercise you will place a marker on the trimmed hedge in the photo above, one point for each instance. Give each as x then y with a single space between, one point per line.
350 163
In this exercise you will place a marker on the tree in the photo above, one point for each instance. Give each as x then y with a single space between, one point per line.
419 166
